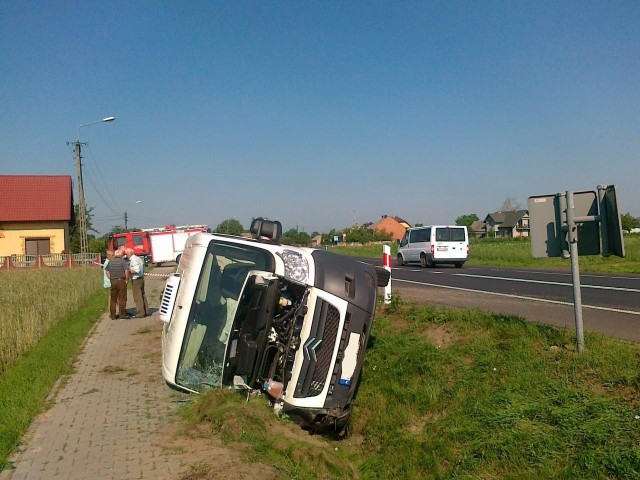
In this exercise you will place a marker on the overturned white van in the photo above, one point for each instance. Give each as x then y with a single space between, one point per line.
254 314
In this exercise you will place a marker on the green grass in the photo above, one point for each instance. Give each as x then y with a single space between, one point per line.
460 394
517 253
25 384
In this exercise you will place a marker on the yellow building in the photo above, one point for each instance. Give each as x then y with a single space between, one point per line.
36 212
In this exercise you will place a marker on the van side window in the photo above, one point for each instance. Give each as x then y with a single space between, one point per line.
425 233
414 236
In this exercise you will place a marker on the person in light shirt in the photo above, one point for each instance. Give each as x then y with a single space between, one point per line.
136 273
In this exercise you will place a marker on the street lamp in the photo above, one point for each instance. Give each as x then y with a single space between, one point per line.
82 209
126 217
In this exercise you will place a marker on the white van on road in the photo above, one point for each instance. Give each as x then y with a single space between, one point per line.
434 244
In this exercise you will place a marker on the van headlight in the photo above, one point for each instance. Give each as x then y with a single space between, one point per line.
296 266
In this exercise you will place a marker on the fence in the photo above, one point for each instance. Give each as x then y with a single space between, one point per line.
54 260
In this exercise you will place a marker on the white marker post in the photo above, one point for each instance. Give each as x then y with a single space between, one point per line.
386 263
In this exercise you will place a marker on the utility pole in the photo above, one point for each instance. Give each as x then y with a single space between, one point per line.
125 221
82 209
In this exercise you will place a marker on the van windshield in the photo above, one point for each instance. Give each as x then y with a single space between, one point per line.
211 317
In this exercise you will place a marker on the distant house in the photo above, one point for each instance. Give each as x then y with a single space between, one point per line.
36 212
477 229
316 241
396 226
513 223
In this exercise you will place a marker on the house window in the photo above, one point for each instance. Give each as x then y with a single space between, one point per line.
37 246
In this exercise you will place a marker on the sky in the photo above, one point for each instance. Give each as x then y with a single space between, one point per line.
321 114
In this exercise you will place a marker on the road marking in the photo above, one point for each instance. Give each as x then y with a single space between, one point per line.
521 297
568 274
525 280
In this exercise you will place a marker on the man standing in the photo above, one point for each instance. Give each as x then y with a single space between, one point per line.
119 277
136 271
106 280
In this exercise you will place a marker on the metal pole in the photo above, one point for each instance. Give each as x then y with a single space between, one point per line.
125 220
82 210
575 271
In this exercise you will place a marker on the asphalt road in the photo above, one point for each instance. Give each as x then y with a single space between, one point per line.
611 302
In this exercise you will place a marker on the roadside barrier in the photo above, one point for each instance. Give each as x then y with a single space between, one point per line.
386 263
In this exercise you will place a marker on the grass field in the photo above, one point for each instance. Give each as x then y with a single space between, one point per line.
517 253
458 394
32 301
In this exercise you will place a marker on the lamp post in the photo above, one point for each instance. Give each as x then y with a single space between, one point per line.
126 218
82 209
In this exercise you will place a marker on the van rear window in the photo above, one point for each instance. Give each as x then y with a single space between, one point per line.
457 234
447 234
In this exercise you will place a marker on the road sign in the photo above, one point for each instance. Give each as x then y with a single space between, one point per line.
610 222
548 225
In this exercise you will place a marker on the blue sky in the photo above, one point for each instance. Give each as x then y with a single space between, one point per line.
322 114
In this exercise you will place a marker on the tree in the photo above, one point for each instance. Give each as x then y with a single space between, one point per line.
467 219
231 226
365 235
629 222
509 204
294 237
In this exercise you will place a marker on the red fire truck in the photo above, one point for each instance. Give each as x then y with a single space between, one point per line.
157 245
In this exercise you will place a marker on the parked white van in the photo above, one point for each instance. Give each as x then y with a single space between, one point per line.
434 244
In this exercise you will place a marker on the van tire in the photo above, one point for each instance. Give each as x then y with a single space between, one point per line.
178 258
400 260
424 263
459 264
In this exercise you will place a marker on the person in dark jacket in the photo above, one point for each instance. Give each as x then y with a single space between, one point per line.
118 273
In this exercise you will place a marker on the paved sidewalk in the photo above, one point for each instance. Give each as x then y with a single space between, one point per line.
112 418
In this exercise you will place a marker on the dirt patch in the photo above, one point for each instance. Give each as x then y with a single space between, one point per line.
439 335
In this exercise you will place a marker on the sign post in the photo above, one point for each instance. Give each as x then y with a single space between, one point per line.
572 224
572 238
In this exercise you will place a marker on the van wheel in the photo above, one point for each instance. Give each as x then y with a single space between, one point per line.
178 258
423 261
400 261
459 264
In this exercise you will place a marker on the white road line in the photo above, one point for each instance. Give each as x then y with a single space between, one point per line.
582 275
521 297
525 280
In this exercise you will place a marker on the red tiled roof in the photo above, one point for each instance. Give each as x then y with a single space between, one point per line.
35 198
